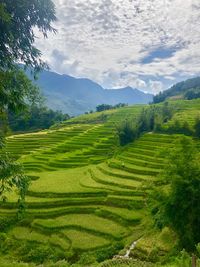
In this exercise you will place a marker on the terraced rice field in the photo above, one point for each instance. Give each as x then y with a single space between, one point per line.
187 111
86 192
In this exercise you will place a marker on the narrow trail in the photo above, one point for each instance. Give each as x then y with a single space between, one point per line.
130 249
126 256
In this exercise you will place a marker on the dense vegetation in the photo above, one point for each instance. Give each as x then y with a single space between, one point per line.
151 118
156 118
104 107
95 181
35 118
188 89
17 20
192 93
178 207
17 36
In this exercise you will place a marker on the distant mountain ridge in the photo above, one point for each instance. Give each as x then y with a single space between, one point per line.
78 95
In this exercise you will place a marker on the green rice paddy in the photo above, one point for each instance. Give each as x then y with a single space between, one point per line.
87 192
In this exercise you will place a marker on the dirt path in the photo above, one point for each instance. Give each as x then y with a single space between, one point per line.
126 256
130 249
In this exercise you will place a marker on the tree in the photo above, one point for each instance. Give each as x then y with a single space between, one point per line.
12 176
16 91
18 19
35 118
103 107
17 22
180 89
178 203
127 132
192 94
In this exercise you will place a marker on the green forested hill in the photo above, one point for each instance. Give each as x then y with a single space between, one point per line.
87 201
188 89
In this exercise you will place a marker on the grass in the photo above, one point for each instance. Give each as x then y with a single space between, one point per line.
88 192
24 233
83 221
28 234
126 214
96 175
60 181
125 263
161 241
85 241
187 111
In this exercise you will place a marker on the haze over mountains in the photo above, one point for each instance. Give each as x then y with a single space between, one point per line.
75 96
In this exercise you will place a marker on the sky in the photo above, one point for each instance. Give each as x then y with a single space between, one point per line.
145 44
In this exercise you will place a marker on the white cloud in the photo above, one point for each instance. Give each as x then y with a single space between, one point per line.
103 39
156 86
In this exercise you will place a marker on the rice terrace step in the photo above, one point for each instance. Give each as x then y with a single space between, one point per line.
87 193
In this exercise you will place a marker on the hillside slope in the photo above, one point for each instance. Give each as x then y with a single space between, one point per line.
76 96
178 90
88 195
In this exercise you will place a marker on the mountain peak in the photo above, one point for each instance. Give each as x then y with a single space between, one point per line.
78 95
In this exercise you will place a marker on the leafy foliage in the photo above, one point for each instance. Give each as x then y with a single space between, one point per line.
16 91
35 118
103 107
127 132
150 119
154 118
178 128
12 176
17 20
178 204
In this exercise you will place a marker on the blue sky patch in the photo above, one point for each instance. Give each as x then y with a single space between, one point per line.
160 52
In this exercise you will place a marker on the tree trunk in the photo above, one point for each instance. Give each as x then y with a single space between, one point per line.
194 261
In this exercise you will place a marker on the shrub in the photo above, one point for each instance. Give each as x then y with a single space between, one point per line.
103 107
127 132
107 253
177 128
184 260
61 263
3 237
6 244
154 256
178 206
37 253
6 223
150 119
87 258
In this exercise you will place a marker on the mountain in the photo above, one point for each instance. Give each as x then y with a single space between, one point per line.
184 89
76 96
